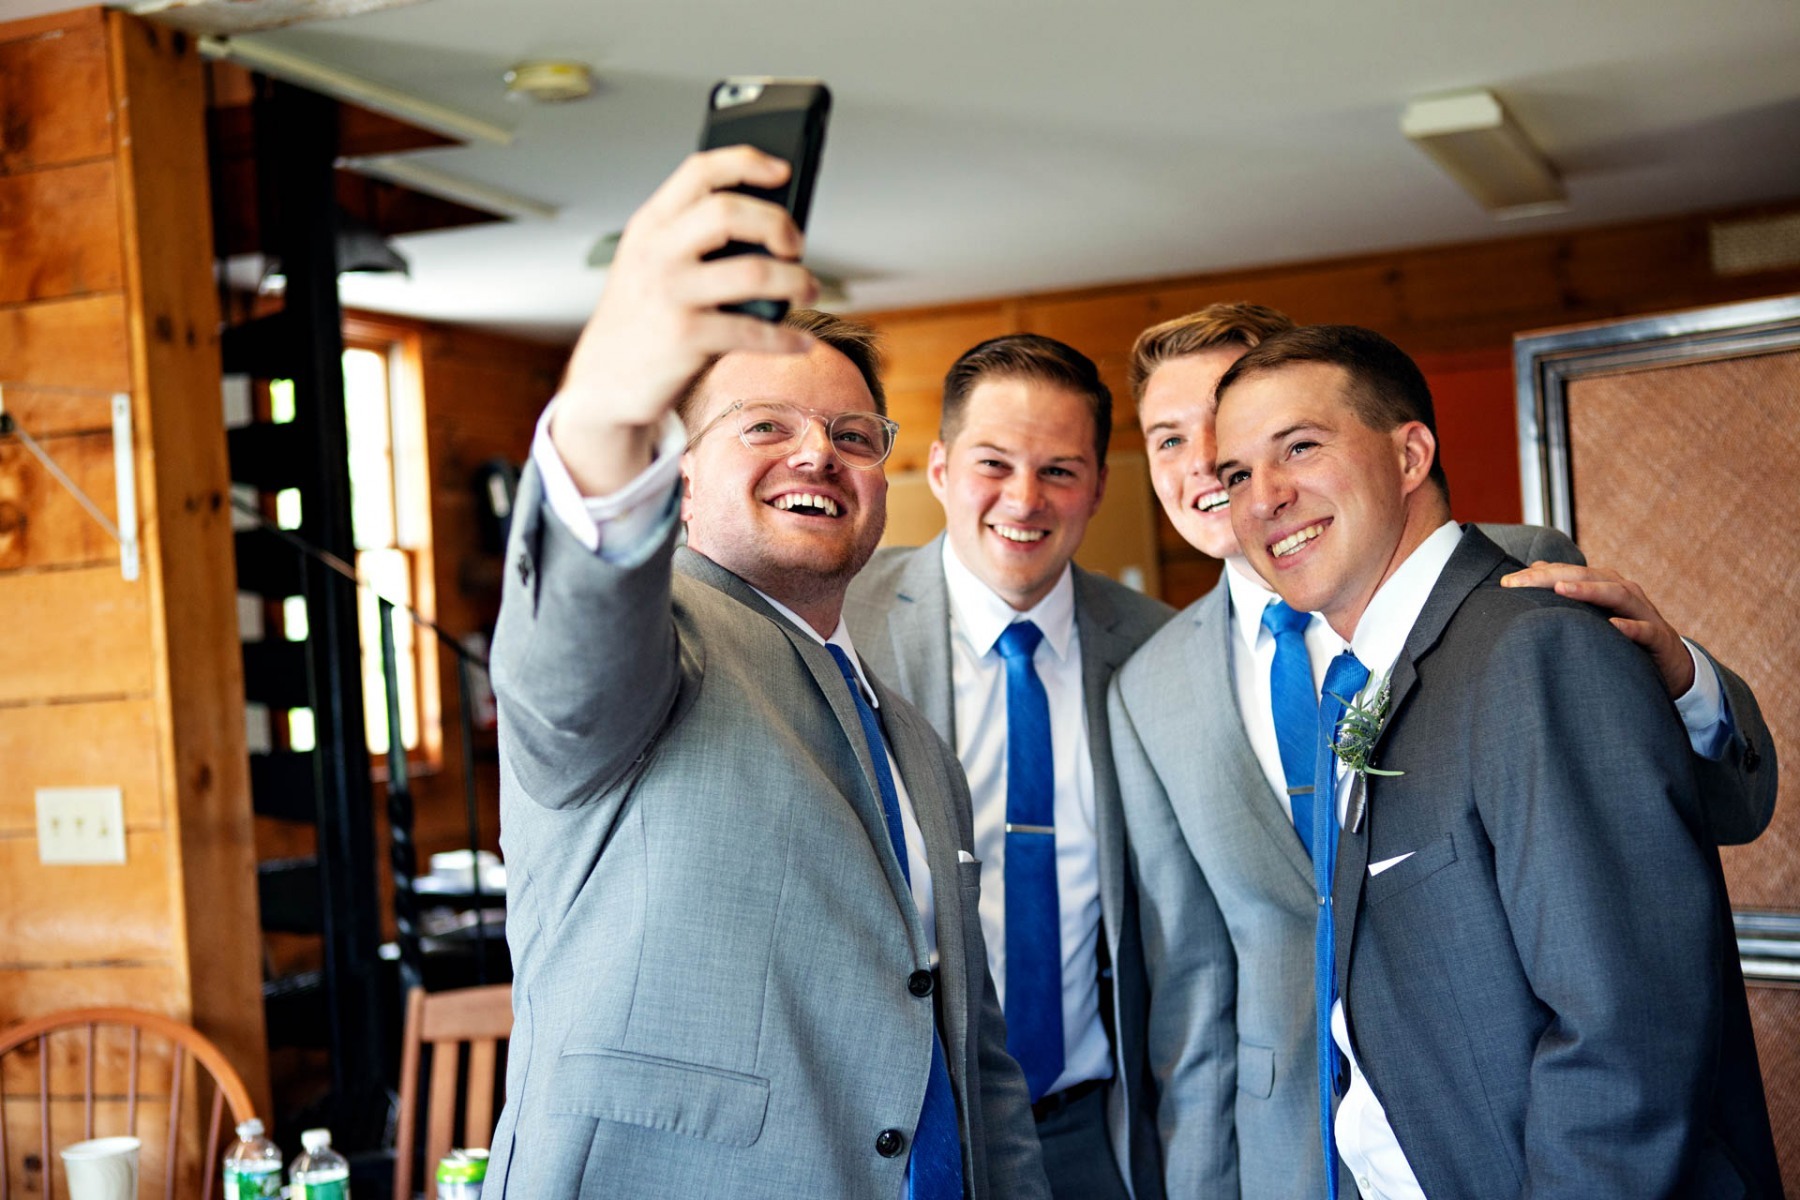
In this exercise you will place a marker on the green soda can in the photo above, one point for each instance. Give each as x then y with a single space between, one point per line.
460 1175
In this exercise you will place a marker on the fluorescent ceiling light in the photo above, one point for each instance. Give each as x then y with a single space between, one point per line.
259 55
1475 140
473 193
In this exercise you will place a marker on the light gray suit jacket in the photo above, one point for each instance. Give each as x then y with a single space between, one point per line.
898 611
715 952
1228 907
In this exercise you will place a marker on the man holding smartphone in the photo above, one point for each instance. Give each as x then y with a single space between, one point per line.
742 900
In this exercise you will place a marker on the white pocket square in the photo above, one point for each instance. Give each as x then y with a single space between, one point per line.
1377 868
963 856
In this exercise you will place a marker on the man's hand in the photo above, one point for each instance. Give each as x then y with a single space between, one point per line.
658 322
1632 613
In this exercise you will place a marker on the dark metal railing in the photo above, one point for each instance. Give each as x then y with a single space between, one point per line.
402 846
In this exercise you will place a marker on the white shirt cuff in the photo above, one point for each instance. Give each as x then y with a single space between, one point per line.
626 526
1702 708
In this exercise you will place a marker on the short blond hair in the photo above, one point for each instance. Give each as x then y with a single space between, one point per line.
1234 324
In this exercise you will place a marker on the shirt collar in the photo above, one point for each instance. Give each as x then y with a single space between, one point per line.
1249 596
1394 609
840 637
983 616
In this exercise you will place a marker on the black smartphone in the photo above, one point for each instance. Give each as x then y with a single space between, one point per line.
783 117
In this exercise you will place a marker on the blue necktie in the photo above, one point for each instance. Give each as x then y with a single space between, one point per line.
934 1172
1343 679
1296 711
1034 985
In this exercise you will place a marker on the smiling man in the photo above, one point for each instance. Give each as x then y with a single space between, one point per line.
741 889
1524 971
1008 649
1217 792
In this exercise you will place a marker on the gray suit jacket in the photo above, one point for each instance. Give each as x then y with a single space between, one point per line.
1227 902
712 941
899 614
1545 995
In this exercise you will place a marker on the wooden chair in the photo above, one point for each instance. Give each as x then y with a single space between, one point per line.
479 1018
125 1084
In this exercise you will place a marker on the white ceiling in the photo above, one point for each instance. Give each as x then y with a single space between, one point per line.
984 148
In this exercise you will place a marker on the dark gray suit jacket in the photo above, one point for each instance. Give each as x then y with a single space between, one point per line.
714 949
1545 996
898 611
1227 901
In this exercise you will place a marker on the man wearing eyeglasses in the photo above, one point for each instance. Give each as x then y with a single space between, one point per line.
742 903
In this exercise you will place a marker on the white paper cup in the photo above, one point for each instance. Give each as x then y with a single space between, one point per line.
103 1169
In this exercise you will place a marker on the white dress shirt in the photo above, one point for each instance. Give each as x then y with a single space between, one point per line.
629 525
1252 658
1365 1139
978 677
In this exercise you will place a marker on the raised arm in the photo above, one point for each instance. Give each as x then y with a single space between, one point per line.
1734 758
585 657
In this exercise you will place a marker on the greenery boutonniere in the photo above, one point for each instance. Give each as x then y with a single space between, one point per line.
1360 725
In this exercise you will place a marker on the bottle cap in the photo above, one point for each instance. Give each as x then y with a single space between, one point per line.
315 1139
252 1128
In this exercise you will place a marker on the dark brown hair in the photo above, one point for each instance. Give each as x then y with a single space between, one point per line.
1233 324
1387 389
852 339
1027 356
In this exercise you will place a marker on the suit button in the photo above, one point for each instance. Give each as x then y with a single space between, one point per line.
1752 759
889 1143
524 565
919 983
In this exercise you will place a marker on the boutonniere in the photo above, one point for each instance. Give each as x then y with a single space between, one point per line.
1360 726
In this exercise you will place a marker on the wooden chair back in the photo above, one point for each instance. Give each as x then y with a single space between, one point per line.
104 1072
478 1018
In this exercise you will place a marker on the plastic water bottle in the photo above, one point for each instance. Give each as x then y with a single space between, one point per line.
320 1173
252 1164
460 1174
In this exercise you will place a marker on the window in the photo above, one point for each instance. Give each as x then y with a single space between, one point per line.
390 524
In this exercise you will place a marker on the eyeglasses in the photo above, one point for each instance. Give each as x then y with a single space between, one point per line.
861 440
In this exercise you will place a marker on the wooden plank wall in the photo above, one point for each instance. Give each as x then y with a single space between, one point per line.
105 286
1454 308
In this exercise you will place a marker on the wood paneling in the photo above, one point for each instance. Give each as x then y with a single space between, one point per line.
190 560
90 914
59 233
110 743
31 988
74 633
48 412
55 98
67 343
41 522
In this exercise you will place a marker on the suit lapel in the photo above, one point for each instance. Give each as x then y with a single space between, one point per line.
818 662
1210 652
1103 651
1474 560
919 628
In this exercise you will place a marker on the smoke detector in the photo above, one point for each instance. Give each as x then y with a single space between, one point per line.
550 81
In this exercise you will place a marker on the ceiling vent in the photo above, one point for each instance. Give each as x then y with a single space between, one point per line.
1755 244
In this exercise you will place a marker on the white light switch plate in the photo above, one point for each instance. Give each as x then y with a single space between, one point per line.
81 825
